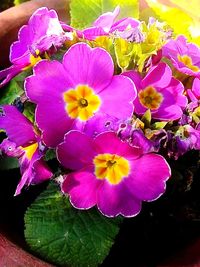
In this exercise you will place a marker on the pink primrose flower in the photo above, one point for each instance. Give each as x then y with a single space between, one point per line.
159 92
184 56
110 173
72 94
185 139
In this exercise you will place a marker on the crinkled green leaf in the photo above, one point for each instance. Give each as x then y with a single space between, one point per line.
85 12
67 236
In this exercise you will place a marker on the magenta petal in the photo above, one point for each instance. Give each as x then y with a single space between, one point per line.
100 123
18 128
149 174
158 76
10 149
19 48
82 187
7 74
49 78
173 47
35 173
46 88
93 32
135 77
108 142
116 200
172 112
117 98
107 19
85 65
53 120
196 87
177 90
76 150
123 24
42 172
25 176
33 170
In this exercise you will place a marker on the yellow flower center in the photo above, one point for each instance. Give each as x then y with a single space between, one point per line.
81 102
150 98
187 61
111 167
30 150
33 59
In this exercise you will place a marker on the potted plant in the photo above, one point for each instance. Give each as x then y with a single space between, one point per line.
106 109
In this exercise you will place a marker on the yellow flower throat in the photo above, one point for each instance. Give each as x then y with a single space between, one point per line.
111 167
81 102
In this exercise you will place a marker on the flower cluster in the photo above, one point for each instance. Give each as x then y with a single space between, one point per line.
121 101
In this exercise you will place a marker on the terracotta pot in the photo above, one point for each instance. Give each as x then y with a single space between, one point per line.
12 255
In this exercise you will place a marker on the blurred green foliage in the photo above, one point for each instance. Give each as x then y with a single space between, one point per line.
17 2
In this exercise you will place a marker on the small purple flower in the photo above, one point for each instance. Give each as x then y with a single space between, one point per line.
134 35
42 33
71 94
23 143
159 92
105 25
127 131
110 173
186 138
184 56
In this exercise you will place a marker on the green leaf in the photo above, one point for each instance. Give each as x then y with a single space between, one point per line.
66 236
128 8
85 12
123 52
146 118
29 111
11 92
7 163
14 89
159 125
50 154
